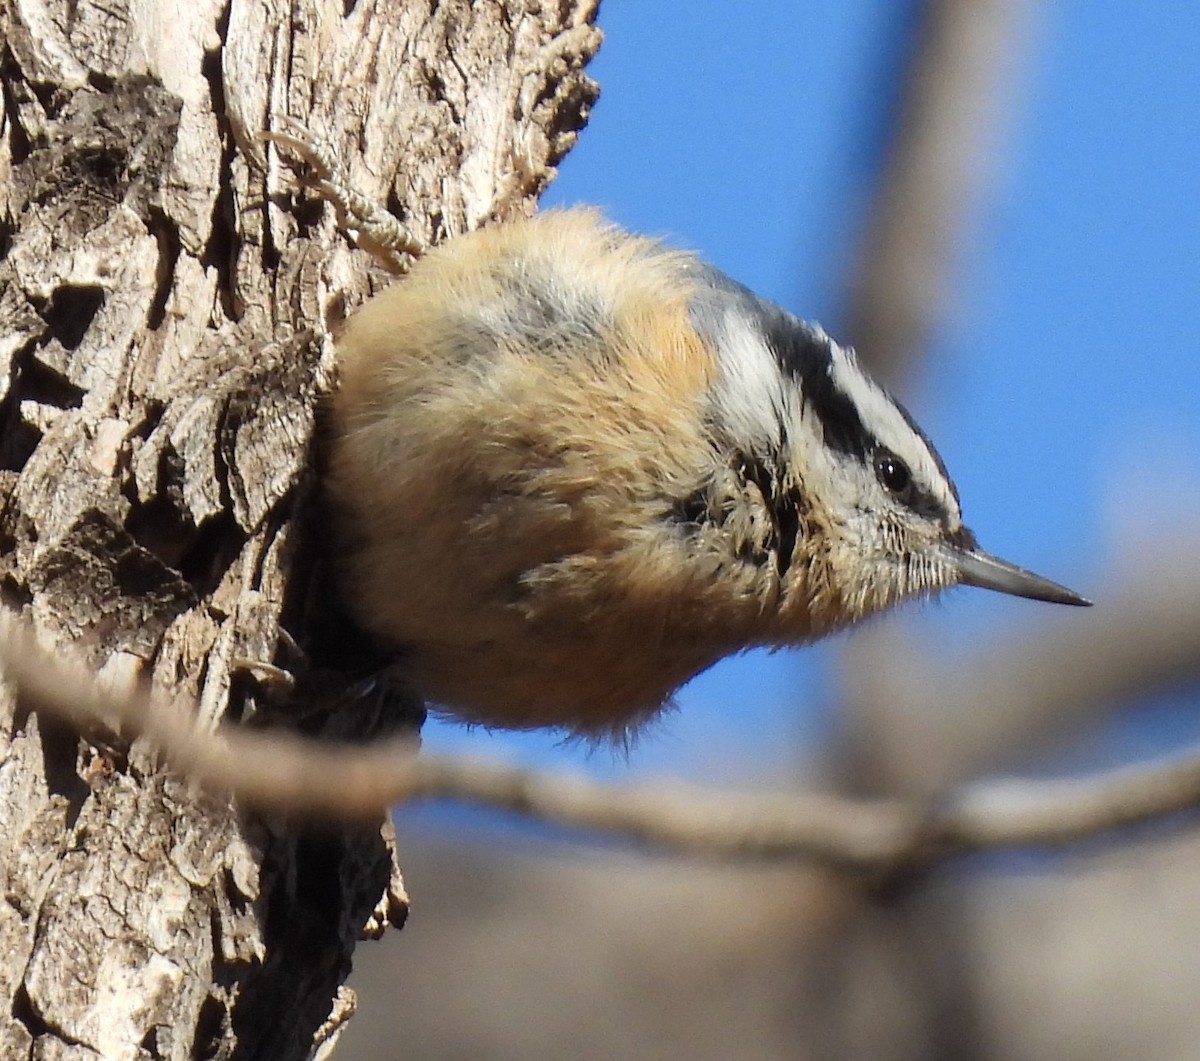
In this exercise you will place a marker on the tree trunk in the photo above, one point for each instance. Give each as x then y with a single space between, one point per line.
166 309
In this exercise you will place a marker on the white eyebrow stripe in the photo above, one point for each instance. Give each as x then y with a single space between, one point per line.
881 417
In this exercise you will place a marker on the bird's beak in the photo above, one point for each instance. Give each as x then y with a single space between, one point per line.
977 568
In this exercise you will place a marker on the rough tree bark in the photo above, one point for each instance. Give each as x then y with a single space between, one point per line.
166 305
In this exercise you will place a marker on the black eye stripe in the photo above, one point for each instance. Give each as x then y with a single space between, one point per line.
896 478
844 431
892 472
808 360
937 457
805 355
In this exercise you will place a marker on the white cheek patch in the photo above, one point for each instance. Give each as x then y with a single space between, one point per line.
817 466
881 417
750 390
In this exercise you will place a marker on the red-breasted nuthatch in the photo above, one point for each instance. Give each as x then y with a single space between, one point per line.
572 468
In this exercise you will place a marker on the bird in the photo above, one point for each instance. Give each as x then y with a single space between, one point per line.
572 467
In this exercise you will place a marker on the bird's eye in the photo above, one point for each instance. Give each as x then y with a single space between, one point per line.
892 472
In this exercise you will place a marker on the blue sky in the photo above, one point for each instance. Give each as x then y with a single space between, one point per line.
1064 388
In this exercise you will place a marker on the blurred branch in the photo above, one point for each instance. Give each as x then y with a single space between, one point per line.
940 157
920 726
294 775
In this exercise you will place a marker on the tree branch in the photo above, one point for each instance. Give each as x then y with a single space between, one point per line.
294 775
937 165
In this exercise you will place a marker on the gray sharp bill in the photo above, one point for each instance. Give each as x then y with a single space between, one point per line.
978 568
